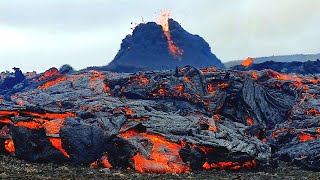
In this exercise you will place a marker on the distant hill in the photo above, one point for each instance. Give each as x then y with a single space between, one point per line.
282 58
150 47
308 67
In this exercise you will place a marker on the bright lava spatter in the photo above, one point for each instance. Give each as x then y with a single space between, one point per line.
163 20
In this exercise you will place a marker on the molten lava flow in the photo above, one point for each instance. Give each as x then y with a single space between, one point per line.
29 124
231 165
9 113
254 76
49 73
52 83
51 122
163 158
247 62
126 110
179 88
53 126
96 76
163 20
187 79
211 89
313 112
306 137
56 142
225 164
223 85
142 81
105 162
9 146
296 80
250 121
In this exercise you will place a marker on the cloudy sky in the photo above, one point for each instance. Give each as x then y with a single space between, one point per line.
39 34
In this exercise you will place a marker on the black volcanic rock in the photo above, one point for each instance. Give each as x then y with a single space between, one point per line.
9 82
147 49
190 118
309 67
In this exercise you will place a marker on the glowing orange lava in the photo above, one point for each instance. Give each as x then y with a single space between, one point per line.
247 62
250 121
163 20
105 162
255 76
179 88
223 85
159 161
306 137
52 83
9 146
211 89
49 73
313 112
51 122
56 142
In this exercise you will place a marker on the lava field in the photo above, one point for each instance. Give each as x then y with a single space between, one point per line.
164 121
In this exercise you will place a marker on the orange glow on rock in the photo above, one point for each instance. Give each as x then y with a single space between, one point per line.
9 146
29 125
211 89
250 121
94 164
96 76
223 85
52 122
106 88
313 112
233 165
9 113
105 162
142 81
159 161
306 137
163 20
53 126
187 79
5 121
56 142
126 110
49 73
247 62
206 166
179 88
255 76
52 83
216 117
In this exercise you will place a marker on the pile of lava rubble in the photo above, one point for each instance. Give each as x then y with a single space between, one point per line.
164 121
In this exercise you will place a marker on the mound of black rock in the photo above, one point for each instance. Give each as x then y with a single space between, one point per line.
147 49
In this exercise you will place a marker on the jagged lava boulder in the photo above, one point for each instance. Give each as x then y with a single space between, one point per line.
148 49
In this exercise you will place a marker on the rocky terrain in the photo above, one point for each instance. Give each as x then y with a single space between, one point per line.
308 67
170 121
282 58
13 168
162 46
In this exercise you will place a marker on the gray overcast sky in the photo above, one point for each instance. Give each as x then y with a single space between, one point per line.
39 34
